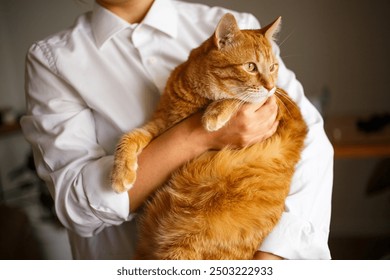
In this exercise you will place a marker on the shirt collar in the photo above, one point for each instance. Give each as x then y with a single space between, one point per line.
161 16
105 24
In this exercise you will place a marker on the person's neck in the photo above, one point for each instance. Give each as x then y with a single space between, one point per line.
133 11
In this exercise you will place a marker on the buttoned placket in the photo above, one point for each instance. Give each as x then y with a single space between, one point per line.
145 40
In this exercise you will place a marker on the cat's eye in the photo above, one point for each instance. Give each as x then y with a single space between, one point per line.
273 67
250 67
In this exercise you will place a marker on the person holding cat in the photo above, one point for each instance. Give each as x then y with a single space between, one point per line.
88 85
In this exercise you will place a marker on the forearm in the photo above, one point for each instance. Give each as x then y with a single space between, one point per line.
164 155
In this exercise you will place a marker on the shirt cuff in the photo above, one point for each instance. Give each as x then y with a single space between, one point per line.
310 243
110 207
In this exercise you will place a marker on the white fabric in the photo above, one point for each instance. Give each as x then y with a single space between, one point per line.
89 84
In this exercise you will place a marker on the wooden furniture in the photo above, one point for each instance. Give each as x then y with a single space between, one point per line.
6 129
350 142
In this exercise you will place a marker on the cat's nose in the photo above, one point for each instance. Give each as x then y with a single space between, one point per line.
269 86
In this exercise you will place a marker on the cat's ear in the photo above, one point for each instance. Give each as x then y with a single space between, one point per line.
272 29
226 31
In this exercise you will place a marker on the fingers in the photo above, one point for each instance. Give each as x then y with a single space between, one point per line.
253 123
270 131
268 115
263 134
269 103
260 121
270 107
264 114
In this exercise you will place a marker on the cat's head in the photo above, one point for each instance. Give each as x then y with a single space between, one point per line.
241 63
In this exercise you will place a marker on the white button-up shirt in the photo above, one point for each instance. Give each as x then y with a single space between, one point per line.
89 84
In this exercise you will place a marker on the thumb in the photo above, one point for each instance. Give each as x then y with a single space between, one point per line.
257 106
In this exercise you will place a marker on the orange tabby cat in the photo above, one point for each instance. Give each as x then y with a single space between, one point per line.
222 204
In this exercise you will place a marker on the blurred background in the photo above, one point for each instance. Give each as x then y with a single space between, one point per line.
339 50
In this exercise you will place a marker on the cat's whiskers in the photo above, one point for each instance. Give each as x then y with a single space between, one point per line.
240 104
252 96
284 105
290 55
287 37
279 97
289 100
242 99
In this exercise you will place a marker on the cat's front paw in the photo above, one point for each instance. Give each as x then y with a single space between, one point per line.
213 122
218 113
123 175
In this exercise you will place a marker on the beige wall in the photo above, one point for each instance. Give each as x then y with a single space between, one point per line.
341 45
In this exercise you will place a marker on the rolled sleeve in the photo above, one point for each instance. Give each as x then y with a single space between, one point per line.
108 206
295 238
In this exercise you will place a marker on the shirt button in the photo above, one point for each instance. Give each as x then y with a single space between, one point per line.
152 60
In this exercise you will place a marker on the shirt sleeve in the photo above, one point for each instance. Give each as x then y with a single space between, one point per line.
303 230
61 129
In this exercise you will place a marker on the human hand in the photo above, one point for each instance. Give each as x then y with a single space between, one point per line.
251 124
259 255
